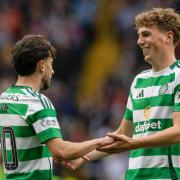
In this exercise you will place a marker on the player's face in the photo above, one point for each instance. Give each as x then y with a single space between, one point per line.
152 41
46 80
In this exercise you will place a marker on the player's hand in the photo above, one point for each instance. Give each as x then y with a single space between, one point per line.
74 164
107 140
67 164
121 143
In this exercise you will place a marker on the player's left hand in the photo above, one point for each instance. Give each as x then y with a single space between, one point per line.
106 141
67 164
122 143
74 164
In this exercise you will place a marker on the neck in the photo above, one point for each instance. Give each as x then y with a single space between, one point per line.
32 81
162 63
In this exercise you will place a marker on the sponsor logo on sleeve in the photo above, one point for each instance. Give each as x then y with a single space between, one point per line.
49 123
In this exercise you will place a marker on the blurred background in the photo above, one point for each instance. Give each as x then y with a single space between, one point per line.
97 60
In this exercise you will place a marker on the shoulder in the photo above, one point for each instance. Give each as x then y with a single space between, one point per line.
46 101
176 68
139 77
39 98
145 71
143 75
178 63
38 102
33 99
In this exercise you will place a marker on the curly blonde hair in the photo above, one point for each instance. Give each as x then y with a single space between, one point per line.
164 19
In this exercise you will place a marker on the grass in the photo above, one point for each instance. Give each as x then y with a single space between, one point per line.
1 173
55 178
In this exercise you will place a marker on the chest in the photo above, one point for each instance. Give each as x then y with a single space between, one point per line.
153 86
153 91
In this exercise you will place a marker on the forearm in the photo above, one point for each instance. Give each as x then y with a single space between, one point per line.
94 155
164 138
125 128
75 150
65 150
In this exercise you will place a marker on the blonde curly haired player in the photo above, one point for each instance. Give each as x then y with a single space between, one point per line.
151 123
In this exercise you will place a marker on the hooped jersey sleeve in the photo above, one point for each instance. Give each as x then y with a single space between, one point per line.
128 115
176 107
44 120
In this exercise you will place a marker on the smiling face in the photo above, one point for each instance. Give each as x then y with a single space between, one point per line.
152 42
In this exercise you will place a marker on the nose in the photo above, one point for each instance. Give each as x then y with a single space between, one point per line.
140 41
52 71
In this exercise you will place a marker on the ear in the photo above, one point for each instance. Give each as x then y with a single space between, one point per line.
169 36
41 66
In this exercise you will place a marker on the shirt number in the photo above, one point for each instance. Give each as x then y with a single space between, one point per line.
9 148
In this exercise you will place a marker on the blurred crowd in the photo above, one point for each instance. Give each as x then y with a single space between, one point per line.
96 62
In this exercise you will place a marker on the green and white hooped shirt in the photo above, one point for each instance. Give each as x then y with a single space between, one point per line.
27 120
154 96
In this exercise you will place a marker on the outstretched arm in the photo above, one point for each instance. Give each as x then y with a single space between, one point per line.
65 150
124 128
164 138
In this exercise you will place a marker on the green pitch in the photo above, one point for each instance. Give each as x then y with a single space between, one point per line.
55 177
1 173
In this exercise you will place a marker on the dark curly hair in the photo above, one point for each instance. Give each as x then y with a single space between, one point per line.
28 51
165 19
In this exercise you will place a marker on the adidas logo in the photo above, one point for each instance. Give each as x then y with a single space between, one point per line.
141 94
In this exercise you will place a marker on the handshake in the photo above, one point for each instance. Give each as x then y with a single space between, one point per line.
110 144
